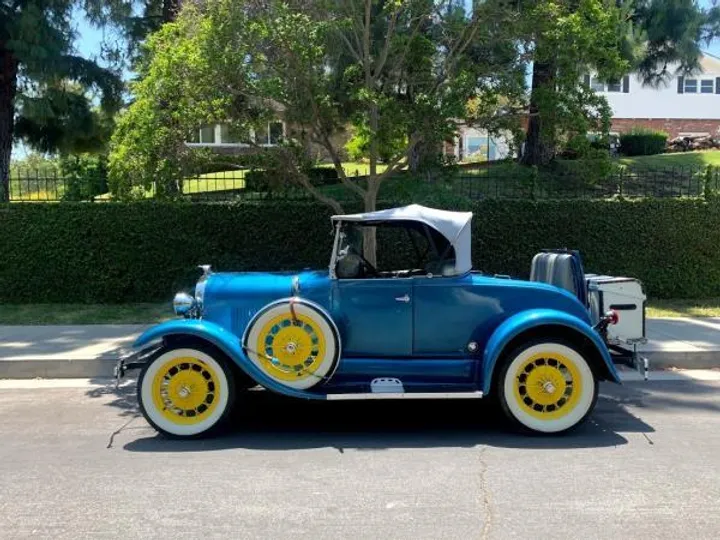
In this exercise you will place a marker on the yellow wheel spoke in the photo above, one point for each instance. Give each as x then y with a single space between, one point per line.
185 390
547 385
292 346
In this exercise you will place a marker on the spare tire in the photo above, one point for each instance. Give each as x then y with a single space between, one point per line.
294 342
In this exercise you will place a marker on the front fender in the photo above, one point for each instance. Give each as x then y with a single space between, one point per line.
227 342
525 320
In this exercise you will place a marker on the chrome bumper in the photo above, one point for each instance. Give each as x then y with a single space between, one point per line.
630 357
134 361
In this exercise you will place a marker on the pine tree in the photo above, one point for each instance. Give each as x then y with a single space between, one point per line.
51 97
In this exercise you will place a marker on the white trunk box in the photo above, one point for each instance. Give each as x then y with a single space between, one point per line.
627 298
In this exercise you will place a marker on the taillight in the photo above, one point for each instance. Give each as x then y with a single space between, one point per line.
612 317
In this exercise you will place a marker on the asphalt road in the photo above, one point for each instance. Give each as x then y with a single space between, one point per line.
79 463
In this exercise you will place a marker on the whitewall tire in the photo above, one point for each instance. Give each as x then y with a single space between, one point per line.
546 386
294 342
186 392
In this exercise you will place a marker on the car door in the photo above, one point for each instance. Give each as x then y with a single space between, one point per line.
374 316
447 313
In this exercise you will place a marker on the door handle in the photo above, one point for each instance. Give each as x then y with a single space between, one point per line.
405 298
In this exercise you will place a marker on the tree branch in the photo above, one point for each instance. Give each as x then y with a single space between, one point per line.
396 162
366 44
388 39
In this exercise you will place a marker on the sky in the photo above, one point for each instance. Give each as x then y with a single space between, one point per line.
89 39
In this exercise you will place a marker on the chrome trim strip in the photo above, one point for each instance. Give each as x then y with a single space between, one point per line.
406 395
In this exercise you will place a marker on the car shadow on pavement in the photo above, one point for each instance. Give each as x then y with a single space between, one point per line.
264 421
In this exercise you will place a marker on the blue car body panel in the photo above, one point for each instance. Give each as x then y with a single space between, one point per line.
526 320
226 341
416 329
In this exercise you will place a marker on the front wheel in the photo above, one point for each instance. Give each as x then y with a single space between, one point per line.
546 387
186 392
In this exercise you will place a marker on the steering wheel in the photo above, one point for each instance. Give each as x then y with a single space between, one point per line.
369 269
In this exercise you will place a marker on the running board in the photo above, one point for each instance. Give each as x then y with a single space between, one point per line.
405 395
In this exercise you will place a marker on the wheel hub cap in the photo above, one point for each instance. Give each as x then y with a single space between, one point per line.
547 385
293 347
185 390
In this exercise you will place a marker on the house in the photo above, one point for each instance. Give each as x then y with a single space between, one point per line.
683 106
220 138
476 144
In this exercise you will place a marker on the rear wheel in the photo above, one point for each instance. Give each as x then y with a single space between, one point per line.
186 392
546 387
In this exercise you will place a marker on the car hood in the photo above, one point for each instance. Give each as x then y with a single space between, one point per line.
265 286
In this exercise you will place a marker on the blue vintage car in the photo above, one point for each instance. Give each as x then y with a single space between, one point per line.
433 329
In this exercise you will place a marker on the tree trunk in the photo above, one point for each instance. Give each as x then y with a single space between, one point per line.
170 10
8 87
422 156
370 233
369 236
540 137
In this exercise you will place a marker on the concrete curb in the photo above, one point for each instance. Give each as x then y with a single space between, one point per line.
683 359
103 367
57 368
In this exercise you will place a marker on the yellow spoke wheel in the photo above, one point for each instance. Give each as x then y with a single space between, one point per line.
294 342
185 392
293 347
546 383
547 387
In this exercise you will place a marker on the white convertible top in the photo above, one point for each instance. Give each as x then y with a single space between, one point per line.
455 226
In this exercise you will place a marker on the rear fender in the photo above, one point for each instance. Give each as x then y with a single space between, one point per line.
227 342
536 318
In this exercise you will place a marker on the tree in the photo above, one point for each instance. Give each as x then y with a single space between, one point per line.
568 38
324 64
46 91
656 38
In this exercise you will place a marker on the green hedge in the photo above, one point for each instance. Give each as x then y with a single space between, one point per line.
261 180
643 142
84 252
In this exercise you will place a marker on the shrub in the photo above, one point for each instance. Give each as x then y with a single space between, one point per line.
143 252
643 142
85 176
269 180
323 176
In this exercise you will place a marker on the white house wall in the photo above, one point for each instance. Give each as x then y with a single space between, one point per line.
665 101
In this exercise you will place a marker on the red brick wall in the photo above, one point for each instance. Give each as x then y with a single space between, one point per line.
672 126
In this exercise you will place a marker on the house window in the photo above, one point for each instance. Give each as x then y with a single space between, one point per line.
269 134
691 86
277 130
227 136
597 85
707 86
207 135
615 86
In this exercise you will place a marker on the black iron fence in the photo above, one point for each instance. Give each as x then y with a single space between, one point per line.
501 181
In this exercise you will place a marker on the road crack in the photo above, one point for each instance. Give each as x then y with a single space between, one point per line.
485 500
119 430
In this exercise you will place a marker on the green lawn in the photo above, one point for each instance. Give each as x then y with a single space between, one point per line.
683 159
33 314
39 314
217 181
706 307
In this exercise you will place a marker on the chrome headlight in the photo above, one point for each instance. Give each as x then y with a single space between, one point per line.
183 303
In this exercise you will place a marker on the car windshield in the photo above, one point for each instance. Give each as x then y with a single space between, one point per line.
403 249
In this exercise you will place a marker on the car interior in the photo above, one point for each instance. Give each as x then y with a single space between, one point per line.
404 249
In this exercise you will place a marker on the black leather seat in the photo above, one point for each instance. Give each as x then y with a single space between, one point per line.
561 269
